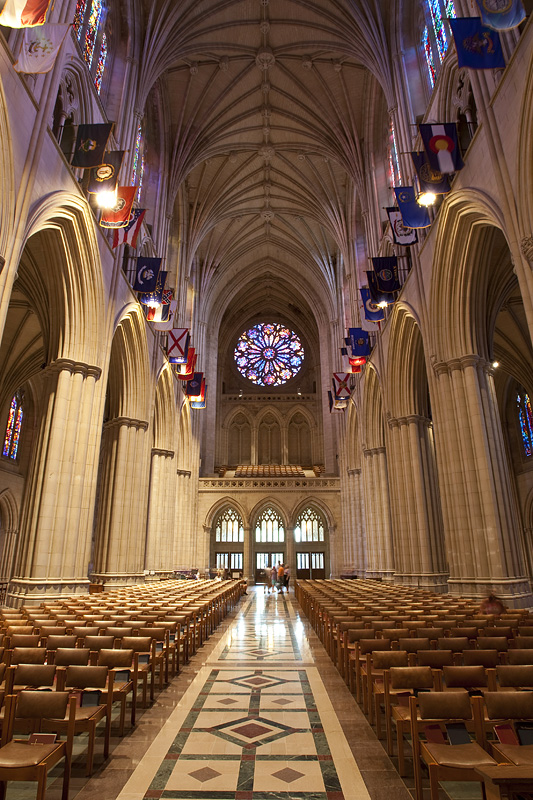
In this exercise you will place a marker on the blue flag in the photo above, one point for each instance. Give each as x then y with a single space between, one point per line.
359 341
146 274
478 47
442 146
501 14
377 295
429 179
413 215
155 298
386 274
373 312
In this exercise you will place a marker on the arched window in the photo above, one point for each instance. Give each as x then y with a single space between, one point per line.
395 175
269 527
89 26
138 162
309 526
525 418
435 39
229 527
13 427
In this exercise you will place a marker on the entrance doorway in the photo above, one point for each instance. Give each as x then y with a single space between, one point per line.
266 561
310 566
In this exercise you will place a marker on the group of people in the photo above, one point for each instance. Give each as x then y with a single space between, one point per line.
277 577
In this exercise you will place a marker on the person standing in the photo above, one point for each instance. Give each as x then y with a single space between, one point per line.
287 576
274 577
267 580
281 577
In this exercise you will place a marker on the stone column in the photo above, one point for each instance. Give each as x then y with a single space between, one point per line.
354 529
483 543
159 555
334 555
248 559
380 557
57 517
121 523
416 516
184 553
9 543
290 550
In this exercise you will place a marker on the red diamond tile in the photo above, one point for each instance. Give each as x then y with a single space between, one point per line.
252 730
287 775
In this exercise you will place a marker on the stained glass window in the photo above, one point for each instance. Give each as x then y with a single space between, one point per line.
229 527
92 31
138 162
269 527
309 526
100 67
525 418
13 427
428 52
394 164
79 17
269 354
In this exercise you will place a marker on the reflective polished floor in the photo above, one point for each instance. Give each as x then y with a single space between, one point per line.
260 713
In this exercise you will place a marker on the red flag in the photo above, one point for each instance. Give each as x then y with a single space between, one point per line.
119 216
185 372
129 233
24 13
178 345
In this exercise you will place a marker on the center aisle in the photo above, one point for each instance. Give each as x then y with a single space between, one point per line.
257 723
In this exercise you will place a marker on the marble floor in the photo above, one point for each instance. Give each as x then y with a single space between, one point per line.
260 713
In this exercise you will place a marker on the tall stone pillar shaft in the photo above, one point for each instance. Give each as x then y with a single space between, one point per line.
380 555
248 560
354 529
159 545
290 550
57 519
416 516
483 542
184 544
121 524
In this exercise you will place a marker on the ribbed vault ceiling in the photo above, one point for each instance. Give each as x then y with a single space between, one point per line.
268 102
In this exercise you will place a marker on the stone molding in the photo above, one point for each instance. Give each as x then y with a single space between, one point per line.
526 246
119 422
374 451
354 472
186 473
417 419
75 368
252 484
157 451
461 363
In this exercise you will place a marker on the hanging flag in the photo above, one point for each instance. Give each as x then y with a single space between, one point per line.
39 48
413 215
400 234
162 311
185 372
118 216
333 403
91 144
104 178
340 384
386 274
429 179
155 297
478 47
357 361
147 273
178 345
196 388
169 322
24 13
378 296
359 341
200 402
502 15
373 313
442 147
128 233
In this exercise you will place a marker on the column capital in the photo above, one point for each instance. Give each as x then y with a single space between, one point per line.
410 419
526 246
185 472
74 367
353 472
461 363
126 422
157 451
374 451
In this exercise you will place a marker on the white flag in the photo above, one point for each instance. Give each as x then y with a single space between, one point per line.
169 323
40 47
21 13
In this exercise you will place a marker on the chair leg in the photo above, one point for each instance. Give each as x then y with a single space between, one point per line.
3 787
41 782
122 715
434 782
90 748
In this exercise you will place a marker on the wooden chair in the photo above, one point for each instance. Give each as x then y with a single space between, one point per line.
89 684
504 708
20 760
514 677
124 664
473 679
377 662
445 762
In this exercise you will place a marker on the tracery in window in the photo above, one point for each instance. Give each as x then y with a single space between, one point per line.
100 67
79 17
395 174
435 40
428 53
309 526
269 354
91 33
138 162
229 527
13 427
92 37
269 527
525 418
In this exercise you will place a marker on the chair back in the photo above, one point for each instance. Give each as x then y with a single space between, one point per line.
516 675
411 678
28 655
509 705
79 677
464 677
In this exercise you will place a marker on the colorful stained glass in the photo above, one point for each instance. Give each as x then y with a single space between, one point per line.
100 67
394 164
79 16
428 52
269 354
92 31
525 418
13 428
438 24
138 162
